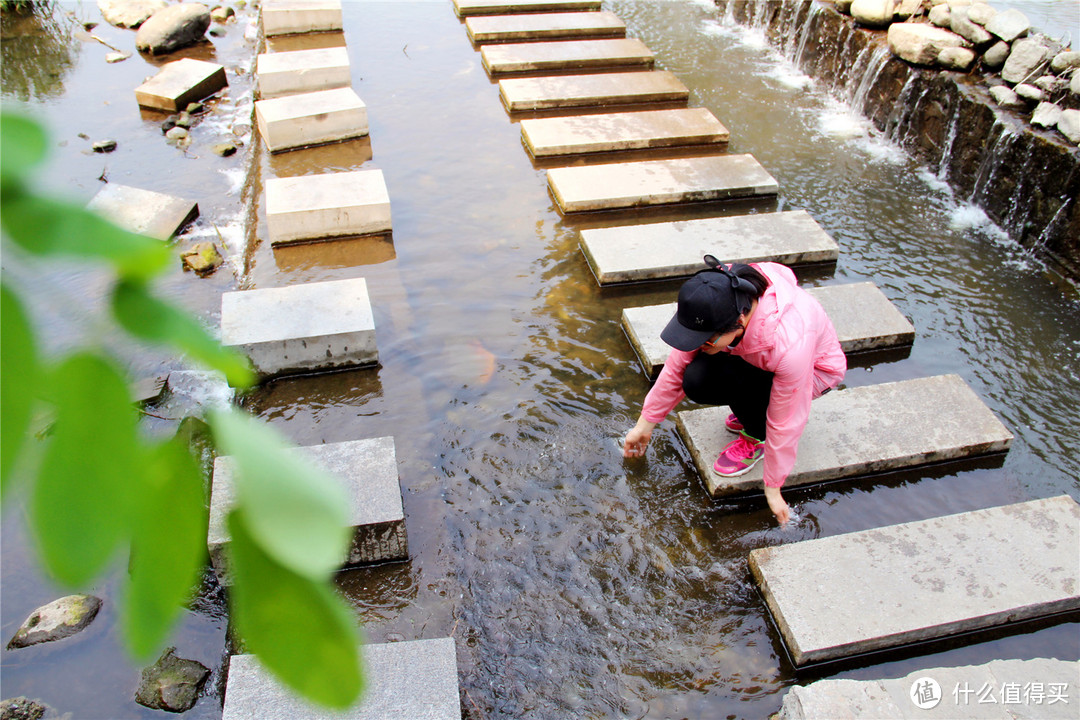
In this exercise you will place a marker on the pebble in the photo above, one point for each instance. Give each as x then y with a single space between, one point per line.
225 149
184 120
177 133
1030 92
104 146
115 57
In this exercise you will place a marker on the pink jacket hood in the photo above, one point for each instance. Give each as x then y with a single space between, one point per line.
789 335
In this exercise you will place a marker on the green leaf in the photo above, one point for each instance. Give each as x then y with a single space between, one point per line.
168 547
148 317
298 627
91 468
19 377
295 511
23 144
50 227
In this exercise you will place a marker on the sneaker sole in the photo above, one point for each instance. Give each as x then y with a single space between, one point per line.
749 467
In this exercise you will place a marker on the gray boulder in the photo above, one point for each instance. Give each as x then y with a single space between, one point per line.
960 24
873 13
1030 92
1046 115
1006 97
956 58
920 43
172 28
996 55
1009 25
940 15
59 619
129 13
1024 58
1051 84
1069 125
981 13
171 683
1063 62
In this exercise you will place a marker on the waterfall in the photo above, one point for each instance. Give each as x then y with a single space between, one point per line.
878 57
804 33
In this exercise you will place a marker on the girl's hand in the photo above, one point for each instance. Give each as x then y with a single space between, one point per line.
638 438
777 504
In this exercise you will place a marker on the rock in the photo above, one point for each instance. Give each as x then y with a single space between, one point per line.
920 43
59 619
960 24
981 13
1069 125
907 8
171 684
184 120
217 32
177 133
129 13
1009 25
1006 97
1074 84
956 58
172 28
168 125
872 13
1063 62
203 258
225 149
996 55
1051 84
844 6
1030 92
104 146
940 15
194 108
222 14
115 57
1046 115
22 708
1024 58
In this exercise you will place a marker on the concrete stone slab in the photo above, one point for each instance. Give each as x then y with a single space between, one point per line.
314 118
179 83
997 690
144 212
312 207
301 328
287 17
411 680
545 26
306 41
465 8
659 182
863 317
662 251
301 71
566 55
887 587
367 472
573 91
609 132
861 431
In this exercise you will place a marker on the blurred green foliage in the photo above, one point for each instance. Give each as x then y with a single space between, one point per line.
98 490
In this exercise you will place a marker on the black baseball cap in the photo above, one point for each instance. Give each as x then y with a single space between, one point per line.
708 303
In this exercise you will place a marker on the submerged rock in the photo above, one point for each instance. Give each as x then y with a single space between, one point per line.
172 28
59 619
129 13
22 708
203 258
172 683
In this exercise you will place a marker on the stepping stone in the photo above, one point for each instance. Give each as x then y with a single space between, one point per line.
863 317
566 55
309 119
887 587
301 328
553 137
662 251
286 17
572 91
179 83
143 211
863 430
414 680
312 207
659 182
367 472
464 8
547 26
300 71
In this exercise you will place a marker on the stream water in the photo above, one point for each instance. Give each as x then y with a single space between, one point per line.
576 583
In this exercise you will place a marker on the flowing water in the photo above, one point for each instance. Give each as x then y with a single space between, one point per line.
576 583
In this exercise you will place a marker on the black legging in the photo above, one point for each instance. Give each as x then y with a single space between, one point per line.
725 379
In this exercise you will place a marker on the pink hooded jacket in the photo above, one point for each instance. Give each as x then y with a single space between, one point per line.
789 335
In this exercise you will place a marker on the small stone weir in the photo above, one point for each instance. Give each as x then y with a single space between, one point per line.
1026 179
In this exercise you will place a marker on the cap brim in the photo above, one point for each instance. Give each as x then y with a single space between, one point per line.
683 338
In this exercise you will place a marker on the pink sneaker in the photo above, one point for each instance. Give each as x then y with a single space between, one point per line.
739 456
733 425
